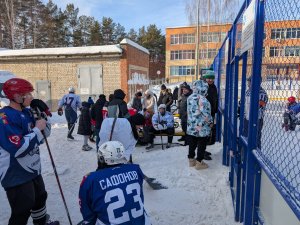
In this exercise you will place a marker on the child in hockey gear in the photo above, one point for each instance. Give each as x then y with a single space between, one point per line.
162 121
199 124
85 126
263 101
71 102
20 170
114 193
290 119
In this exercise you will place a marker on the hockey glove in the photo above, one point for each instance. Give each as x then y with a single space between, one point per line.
60 112
41 106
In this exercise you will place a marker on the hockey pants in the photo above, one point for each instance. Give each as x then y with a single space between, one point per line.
28 199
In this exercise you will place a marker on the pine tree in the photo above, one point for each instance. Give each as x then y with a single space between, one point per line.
152 39
83 32
107 30
71 23
132 35
96 36
119 33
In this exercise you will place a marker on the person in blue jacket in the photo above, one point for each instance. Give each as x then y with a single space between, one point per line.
114 193
162 121
20 163
71 102
290 119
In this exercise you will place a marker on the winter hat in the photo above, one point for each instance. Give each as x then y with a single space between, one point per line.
139 94
148 92
102 96
186 86
161 106
209 75
163 87
137 119
119 93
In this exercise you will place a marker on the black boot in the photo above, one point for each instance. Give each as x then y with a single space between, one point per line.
150 146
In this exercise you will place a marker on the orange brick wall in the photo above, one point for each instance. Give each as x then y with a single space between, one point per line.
132 58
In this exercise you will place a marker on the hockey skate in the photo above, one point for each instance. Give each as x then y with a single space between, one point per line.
70 138
285 126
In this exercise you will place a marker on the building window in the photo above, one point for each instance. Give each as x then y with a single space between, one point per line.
177 39
208 53
182 54
212 36
292 51
182 70
278 33
276 51
285 33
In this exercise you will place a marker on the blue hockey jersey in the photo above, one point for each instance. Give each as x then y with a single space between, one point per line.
113 196
19 151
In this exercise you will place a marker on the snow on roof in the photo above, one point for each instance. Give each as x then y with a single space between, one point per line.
62 51
130 42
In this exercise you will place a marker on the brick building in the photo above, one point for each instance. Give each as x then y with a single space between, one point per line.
181 46
91 70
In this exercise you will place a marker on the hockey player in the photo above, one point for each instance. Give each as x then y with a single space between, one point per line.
263 101
290 115
71 102
114 193
20 164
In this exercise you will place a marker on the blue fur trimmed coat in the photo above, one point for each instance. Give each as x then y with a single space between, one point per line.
199 111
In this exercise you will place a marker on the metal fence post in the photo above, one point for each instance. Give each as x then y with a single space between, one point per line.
252 167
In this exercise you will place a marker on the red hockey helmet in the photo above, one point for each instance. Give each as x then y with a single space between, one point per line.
291 99
16 86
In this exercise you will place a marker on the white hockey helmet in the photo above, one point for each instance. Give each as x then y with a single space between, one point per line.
71 90
112 152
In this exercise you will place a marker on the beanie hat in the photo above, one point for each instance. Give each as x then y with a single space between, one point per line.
137 119
209 75
162 106
186 86
163 87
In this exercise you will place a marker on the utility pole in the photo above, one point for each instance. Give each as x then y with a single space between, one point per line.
197 42
208 19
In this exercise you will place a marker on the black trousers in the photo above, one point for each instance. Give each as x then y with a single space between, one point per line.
184 128
169 131
200 144
28 199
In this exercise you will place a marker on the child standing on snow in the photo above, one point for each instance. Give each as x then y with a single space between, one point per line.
289 117
85 127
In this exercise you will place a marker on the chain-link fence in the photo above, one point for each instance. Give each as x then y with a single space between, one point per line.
280 149
259 93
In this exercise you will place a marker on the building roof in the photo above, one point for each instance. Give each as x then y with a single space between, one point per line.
136 45
201 25
62 51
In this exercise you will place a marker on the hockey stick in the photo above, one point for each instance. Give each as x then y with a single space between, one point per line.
153 183
57 178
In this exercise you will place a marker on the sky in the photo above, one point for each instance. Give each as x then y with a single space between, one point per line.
133 13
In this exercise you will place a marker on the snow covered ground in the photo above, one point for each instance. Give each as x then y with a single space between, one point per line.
193 197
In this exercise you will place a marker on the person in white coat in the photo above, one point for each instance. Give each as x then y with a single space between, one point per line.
125 131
